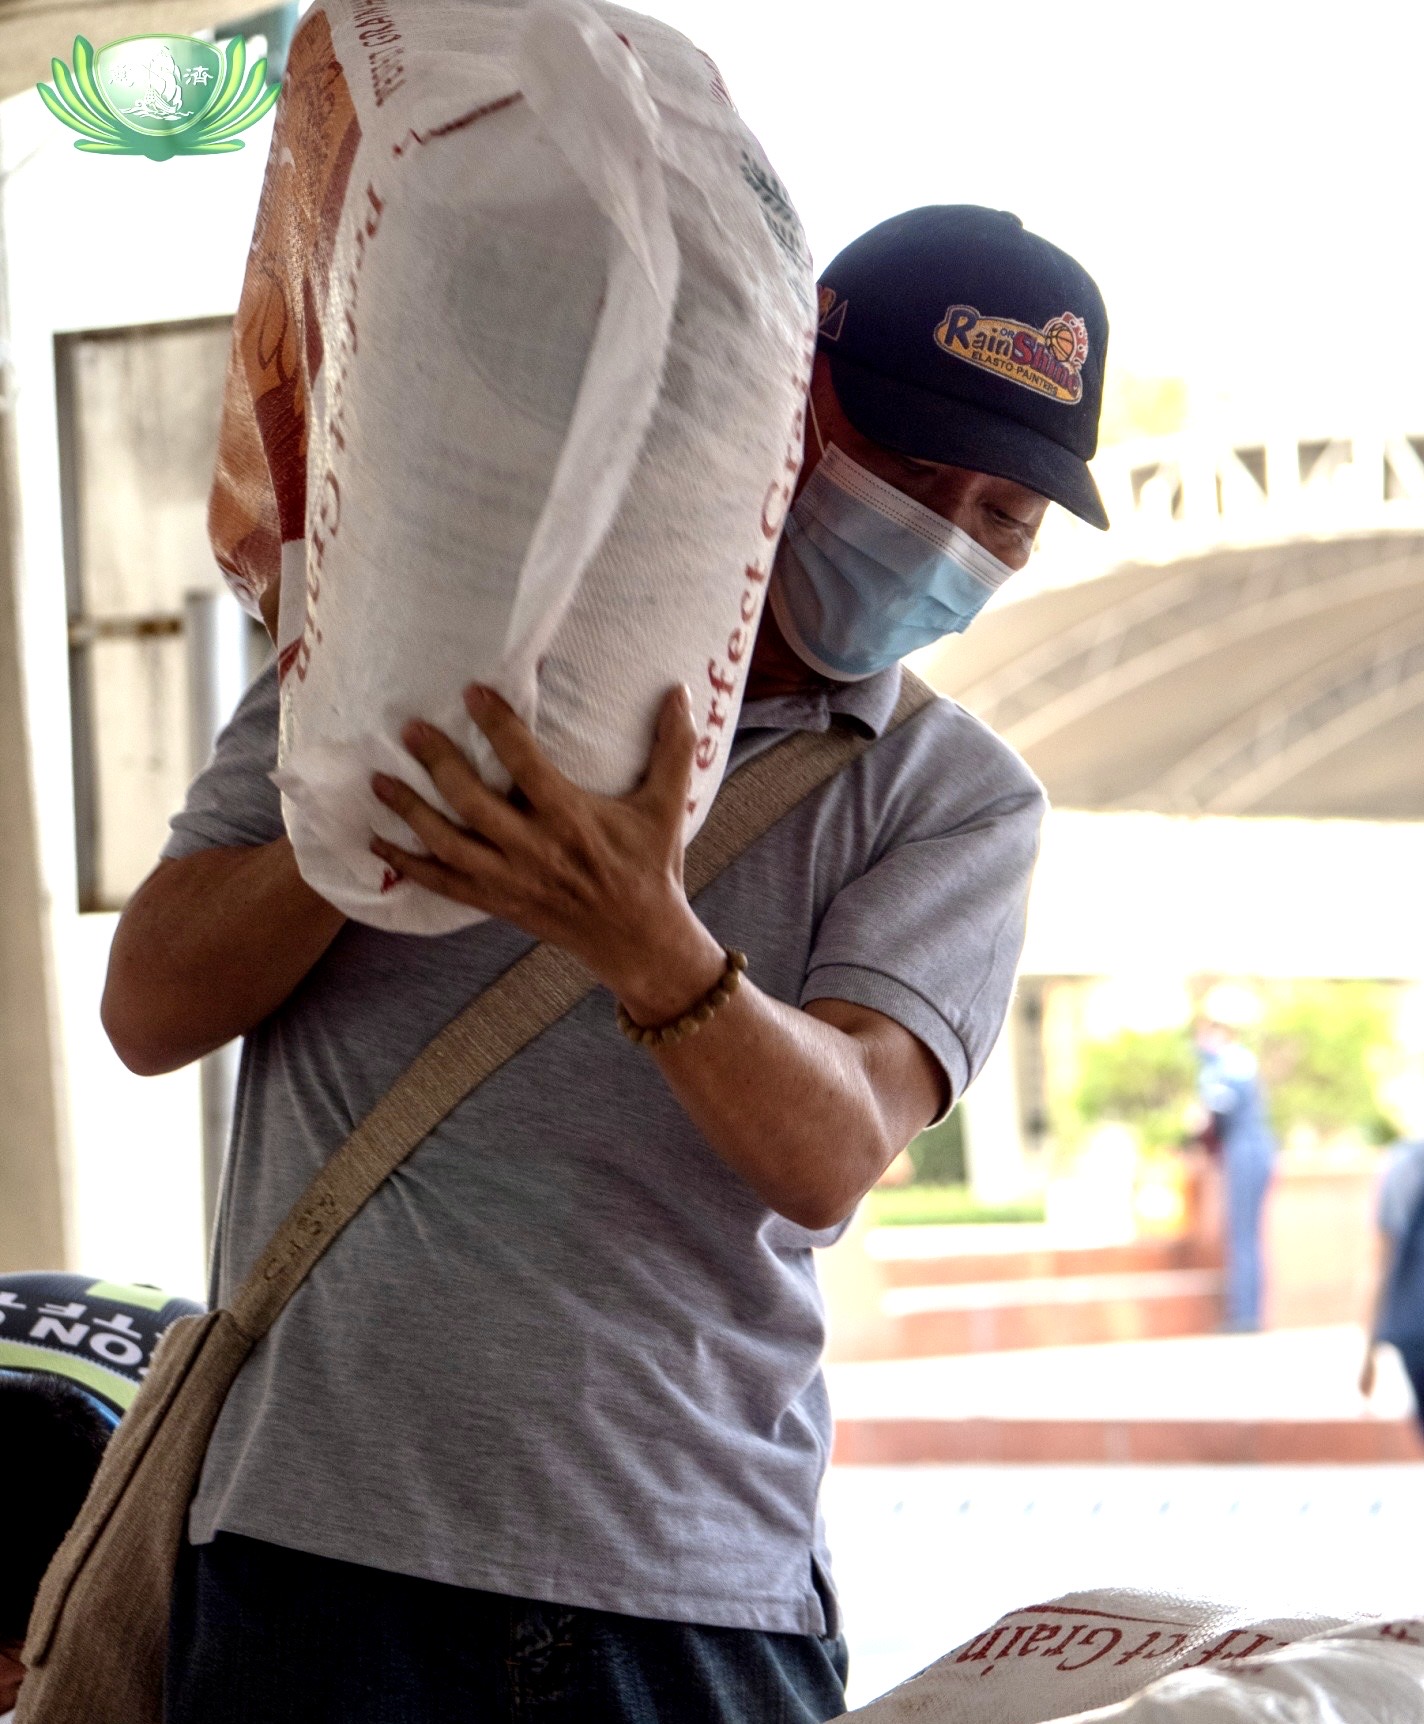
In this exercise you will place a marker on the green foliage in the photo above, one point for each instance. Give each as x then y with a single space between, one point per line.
1322 1046
941 1205
937 1155
1141 1078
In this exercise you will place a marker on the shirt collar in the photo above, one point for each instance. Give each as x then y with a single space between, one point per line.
865 705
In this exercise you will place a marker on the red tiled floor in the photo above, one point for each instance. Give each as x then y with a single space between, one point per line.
884 1442
1282 1397
1144 1256
1017 1320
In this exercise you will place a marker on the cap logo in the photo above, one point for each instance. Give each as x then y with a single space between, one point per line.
1048 361
831 309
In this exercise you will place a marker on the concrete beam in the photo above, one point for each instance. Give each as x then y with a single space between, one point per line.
1158 894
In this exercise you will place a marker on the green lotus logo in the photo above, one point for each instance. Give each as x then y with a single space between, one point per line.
159 96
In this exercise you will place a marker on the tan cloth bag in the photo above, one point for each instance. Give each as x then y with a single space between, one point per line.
99 1631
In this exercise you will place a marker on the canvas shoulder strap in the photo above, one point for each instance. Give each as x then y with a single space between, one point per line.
527 999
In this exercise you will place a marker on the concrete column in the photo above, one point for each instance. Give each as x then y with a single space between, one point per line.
32 1221
216 632
993 1129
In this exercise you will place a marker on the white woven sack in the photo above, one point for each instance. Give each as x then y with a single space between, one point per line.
548 322
1371 1673
1083 1651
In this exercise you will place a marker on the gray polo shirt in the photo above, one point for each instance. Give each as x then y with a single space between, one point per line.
566 1353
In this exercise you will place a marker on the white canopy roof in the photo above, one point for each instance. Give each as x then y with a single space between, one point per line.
1263 658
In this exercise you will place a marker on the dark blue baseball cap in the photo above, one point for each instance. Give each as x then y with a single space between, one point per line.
956 335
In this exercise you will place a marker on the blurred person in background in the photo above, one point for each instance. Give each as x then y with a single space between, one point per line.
1230 1091
1398 1313
73 1352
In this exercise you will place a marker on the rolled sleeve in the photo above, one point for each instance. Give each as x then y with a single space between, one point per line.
931 935
912 1011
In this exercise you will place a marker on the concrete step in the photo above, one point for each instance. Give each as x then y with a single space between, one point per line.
912 1268
996 1316
1118 1442
1287 1396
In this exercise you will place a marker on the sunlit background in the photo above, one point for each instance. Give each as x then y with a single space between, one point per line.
1222 695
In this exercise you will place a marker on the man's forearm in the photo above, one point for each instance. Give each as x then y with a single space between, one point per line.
209 946
808 1106
787 1101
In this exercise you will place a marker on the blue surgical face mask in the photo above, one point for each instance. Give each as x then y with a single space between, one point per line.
865 574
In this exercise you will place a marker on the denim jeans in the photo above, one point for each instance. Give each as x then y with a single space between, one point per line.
1411 1356
1248 1177
263 1633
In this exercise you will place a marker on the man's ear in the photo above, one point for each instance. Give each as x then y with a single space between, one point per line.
834 423
823 393
823 411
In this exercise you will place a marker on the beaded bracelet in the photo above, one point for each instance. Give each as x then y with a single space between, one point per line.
692 1020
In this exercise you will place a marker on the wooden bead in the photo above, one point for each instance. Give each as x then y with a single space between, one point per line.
692 1020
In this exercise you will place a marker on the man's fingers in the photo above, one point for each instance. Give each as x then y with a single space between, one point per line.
465 851
481 809
669 773
432 874
513 743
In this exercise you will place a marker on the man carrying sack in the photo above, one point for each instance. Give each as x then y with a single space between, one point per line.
526 1411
